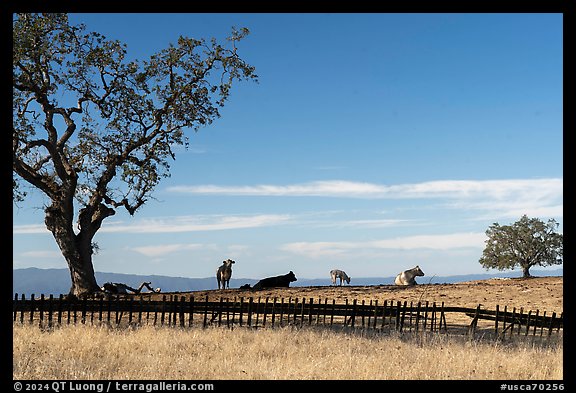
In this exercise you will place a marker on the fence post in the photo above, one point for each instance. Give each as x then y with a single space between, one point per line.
496 321
140 305
403 315
155 311
72 306
15 305
289 310
220 312
205 312
375 314
227 312
181 312
433 322
170 310
191 311
108 310
60 303
333 310
241 309
472 327
84 309
130 305
257 311
174 309
265 312
261 310
310 311
418 316
512 321
92 311
528 322
535 323
32 309
22 309
69 306
410 318
119 312
274 311
384 313
250 303
542 324
281 310
50 304
551 326
353 316
41 309
443 318
233 311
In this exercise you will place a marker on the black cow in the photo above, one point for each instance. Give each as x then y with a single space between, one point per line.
275 282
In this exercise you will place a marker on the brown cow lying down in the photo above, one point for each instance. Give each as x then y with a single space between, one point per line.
275 282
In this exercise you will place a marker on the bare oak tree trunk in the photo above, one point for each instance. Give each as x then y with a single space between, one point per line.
76 249
526 271
82 276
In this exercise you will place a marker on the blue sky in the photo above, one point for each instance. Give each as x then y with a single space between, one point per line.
372 143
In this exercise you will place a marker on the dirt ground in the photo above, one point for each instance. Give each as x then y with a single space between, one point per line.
536 293
541 295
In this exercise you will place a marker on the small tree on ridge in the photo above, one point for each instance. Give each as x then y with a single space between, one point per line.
526 243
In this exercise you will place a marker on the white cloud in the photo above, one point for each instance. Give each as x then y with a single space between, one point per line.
177 224
30 229
42 254
459 189
499 198
384 223
197 223
164 249
491 199
434 242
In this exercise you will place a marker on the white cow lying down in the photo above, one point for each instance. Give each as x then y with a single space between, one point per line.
407 277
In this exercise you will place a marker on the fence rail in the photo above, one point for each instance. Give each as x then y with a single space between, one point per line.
175 310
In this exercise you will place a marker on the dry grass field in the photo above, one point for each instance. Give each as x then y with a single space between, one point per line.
310 353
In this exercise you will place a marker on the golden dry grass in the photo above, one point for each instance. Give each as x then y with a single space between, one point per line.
92 352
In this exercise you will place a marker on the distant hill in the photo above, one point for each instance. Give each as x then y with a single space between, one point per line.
56 281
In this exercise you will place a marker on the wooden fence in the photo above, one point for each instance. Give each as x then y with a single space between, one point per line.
175 310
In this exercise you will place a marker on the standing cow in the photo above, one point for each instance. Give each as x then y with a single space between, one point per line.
341 274
282 281
224 273
407 277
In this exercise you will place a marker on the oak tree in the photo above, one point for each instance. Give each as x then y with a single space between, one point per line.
95 132
527 242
